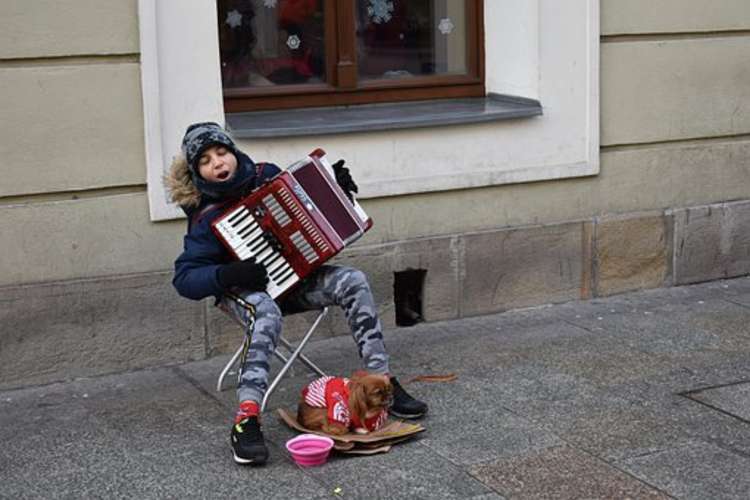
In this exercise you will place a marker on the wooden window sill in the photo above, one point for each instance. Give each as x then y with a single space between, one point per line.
369 117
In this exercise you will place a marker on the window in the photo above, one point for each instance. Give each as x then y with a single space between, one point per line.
540 49
299 53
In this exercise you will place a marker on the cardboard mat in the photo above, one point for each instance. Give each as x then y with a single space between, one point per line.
380 441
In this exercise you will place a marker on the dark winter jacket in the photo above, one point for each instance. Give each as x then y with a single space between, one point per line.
203 254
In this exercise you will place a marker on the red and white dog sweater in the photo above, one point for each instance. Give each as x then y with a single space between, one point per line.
333 393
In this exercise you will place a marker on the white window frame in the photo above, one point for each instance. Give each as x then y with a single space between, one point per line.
546 50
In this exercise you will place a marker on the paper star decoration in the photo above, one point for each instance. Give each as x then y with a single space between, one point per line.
446 26
293 42
380 10
234 19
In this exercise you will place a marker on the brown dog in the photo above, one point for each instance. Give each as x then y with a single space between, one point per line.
337 405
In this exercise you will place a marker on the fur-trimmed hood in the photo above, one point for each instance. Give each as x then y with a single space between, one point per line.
191 192
180 184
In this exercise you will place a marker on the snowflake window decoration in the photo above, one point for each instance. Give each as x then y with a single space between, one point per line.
269 4
234 19
380 11
293 42
446 26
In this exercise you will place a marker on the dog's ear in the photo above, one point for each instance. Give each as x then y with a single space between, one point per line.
358 399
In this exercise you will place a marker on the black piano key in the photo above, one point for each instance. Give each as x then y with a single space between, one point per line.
242 226
279 271
289 272
270 259
280 277
256 245
247 230
234 217
238 221
250 242
254 237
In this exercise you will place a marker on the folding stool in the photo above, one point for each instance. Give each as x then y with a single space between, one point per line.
296 353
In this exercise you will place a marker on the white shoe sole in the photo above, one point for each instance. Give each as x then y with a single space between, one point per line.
407 416
245 461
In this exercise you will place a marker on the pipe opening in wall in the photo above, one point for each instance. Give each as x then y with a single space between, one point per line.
408 287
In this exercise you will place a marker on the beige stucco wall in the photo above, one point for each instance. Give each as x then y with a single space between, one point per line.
71 126
672 16
675 87
51 28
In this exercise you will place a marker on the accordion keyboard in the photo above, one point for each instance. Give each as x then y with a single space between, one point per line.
247 239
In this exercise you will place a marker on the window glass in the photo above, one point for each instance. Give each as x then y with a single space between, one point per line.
284 54
271 42
397 39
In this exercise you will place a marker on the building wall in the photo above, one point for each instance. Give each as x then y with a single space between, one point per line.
82 263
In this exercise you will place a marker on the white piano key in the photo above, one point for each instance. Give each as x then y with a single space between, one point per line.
274 265
241 232
268 256
231 236
271 263
242 218
265 253
243 254
255 234
248 225
235 214
256 246
280 288
254 256
280 271
233 241
284 273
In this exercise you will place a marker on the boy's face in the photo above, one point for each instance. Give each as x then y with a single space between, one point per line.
217 164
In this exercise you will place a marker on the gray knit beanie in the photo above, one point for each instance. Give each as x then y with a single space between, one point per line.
201 136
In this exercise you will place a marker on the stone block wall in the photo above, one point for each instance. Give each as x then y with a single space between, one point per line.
711 242
631 252
88 327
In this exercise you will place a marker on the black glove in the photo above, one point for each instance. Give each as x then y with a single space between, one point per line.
344 179
245 274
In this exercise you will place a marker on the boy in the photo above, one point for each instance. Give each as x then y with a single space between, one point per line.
212 175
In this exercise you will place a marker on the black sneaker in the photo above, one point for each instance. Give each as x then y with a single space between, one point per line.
248 446
405 406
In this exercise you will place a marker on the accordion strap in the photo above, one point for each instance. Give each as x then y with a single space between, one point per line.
197 216
258 169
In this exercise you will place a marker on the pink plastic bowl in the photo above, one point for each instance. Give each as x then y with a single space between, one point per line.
308 449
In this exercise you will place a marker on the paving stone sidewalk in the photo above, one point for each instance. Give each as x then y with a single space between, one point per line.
645 395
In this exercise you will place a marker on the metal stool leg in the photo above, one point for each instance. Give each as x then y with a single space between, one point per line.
233 360
293 357
236 355
304 359
229 367
296 354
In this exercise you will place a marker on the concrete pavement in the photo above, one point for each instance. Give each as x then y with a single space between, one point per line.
645 395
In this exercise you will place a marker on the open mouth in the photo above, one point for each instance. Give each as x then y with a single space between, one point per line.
223 176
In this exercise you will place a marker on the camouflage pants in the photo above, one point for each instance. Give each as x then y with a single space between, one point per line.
329 285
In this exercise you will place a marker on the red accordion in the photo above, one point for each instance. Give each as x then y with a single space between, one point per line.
294 223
